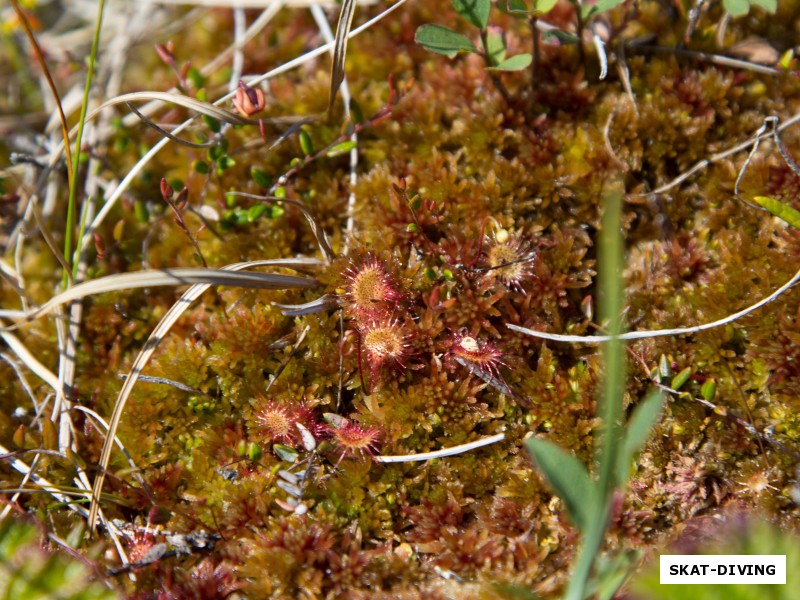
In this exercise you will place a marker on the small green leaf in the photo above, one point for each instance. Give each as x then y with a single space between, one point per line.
215 152
514 63
141 212
515 8
200 166
681 378
708 390
569 479
261 178
786 59
601 6
253 451
306 145
443 40
664 368
474 11
342 148
212 124
768 5
544 6
225 163
736 8
285 453
780 210
275 212
255 211
196 77
559 36
645 415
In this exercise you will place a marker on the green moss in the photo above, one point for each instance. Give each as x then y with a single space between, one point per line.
453 174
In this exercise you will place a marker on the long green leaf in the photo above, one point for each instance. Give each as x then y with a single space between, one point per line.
645 415
443 40
611 262
569 479
780 210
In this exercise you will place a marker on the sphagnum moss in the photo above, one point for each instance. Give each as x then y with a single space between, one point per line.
438 181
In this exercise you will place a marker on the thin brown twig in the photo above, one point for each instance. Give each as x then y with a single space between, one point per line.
40 57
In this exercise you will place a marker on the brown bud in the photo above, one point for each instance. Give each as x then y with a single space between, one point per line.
248 100
166 190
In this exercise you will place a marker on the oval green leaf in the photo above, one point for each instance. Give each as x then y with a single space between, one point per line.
474 11
443 40
569 479
495 46
681 378
544 6
342 148
736 8
768 5
513 63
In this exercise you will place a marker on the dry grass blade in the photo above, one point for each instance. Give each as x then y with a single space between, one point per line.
181 276
166 323
57 493
28 359
204 108
452 451
340 48
637 335
166 133
40 57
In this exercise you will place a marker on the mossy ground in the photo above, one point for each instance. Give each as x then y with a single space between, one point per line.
479 173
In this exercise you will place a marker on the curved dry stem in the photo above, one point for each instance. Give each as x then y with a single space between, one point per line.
636 335
452 451
180 276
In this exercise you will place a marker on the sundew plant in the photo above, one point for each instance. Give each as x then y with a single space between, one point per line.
372 299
